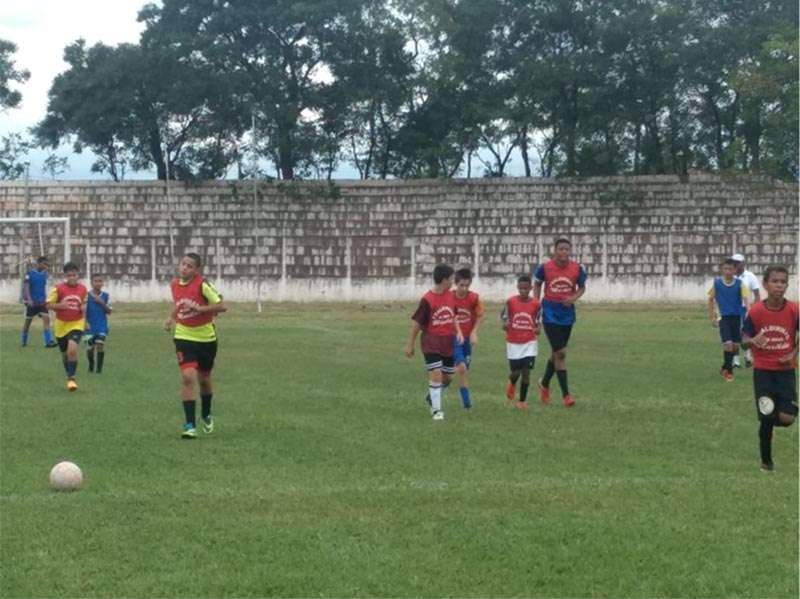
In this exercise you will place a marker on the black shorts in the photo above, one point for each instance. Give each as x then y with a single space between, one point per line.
730 329
439 362
557 335
63 342
525 363
92 340
196 354
780 386
31 311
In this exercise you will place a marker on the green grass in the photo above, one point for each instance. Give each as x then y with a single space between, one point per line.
327 477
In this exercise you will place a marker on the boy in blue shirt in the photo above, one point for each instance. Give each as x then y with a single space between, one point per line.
97 310
727 294
34 295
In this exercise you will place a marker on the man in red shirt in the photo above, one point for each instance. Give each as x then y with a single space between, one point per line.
521 318
436 318
469 314
771 330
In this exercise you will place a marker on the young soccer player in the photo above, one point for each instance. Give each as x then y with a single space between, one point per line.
196 303
34 295
521 317
753 286
469 314
68 300
728 293
97 310
436 318
771 331
565 283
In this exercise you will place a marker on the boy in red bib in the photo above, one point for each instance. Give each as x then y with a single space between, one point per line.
469 314
436 318
68 300
196 303
521 318
770 330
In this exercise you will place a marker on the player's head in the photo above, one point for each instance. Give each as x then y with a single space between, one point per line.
729 269
740 263
189 266
442 272
97 281
463 281
71 273
42 263
524 283
776 280
561 249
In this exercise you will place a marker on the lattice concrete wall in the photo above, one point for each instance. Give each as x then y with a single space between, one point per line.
643 238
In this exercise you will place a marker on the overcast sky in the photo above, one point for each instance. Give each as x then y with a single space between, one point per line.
41 29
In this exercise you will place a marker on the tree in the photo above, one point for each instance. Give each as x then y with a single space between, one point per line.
10 98
13 149
55 165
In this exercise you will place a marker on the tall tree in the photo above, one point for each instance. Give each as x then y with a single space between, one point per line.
9 73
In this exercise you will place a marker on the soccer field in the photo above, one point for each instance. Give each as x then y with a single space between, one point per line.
326 476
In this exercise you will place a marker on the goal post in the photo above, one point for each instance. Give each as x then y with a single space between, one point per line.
25 239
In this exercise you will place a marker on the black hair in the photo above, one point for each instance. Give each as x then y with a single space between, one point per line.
561 240
775 268
442 272
195 257
463 274
41 259
94 274
70 266
731 261
524 279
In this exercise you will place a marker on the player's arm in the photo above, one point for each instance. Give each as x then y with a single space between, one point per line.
712 313
412 336
52 303
459 334
751 337
98 298
26 291
504 316
418 320
538 326
473 336
172 317
538 280
215 304
581 288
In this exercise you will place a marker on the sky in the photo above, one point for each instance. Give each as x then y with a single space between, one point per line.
41 29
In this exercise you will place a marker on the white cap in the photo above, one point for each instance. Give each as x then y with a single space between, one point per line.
737 258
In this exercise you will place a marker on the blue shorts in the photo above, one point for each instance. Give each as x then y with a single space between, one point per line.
730 329
463 352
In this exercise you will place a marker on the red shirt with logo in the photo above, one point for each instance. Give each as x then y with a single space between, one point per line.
521 316
436 315
185 297
780 328
468 309
73 297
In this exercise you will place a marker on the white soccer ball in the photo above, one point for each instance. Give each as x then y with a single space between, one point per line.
66 476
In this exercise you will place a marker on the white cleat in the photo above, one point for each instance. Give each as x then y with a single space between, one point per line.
438 415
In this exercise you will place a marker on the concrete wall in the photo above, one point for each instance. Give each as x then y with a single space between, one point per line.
642 238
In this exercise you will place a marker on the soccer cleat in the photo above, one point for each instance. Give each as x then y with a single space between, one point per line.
767 466
736 362
72 385
748 363
510 390
208 425
189 431
727 375
544 392
522 405
438 415
51 344
569 401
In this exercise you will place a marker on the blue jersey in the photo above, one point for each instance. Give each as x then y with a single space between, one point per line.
37 285
729 296
96 317
559 282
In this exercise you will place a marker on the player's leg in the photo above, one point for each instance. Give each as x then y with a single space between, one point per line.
73 344
206 359
515 371
26 324
461 359
187 362
100 345
558 336
48 336
90 351
433 364
726 335
525 381
63 344
448 372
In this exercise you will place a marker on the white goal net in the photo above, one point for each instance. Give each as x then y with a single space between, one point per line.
22 242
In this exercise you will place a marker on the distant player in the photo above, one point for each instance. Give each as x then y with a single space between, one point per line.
521 318
565 283
196 302
727 293
435 316
469 314
34 295
68 300
753 286
97 310
771 331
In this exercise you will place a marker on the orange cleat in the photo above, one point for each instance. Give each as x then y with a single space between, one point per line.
544 392
569 401
727 375
522 405
510 390
72 385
